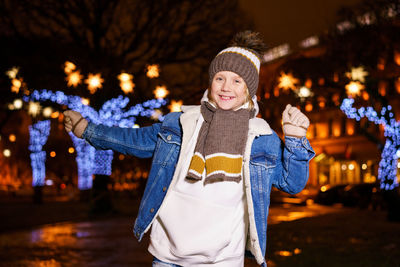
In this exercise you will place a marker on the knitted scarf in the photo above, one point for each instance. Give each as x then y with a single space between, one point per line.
220 144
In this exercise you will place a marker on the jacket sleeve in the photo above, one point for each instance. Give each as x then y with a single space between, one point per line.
292 169
139 142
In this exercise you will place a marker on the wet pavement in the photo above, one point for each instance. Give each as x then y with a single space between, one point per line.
107 242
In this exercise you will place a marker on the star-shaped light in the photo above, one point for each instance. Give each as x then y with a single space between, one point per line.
161 91
354 88
126 83
94 81
153 71
357 74
175 106
74 78
287 81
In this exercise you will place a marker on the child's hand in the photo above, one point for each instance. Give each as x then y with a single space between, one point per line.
73 121
295 123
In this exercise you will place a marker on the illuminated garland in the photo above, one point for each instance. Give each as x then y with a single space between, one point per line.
388 164
85 154
89 160
38 134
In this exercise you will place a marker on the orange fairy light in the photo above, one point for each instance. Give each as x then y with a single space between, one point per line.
94 82
175 106
397 85
55 115
284 253
153 71
335 77
71 150
52 154
382 86
308 83
161 91
397 57
365 95
381 64
309 107
12 138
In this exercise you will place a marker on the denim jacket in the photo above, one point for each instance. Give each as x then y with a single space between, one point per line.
268 161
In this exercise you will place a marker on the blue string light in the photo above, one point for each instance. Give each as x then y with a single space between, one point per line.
390 154
38 134
112 113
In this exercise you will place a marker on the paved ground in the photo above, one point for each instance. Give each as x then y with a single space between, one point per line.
101 242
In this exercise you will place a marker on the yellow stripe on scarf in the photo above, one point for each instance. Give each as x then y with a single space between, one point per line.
226 164
197 164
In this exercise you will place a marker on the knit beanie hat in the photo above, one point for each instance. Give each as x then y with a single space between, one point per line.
243 57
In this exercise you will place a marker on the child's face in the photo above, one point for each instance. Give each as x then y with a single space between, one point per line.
228 90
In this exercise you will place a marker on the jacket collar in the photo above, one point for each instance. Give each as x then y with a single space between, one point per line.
257 126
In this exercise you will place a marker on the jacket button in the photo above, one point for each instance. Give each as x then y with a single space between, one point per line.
152 210
169 137
164 189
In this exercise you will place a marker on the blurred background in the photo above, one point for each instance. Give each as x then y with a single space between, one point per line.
128 63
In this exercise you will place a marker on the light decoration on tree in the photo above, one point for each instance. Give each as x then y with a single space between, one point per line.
85 101
69 67
161 91
112 113
287 81
125 82
7 153
47 112
354 88
303 92
175 106
18 103
12 73
388 164
74 78
12 138
85 161
157 115
94 82
16 85
38 133
153 71
34 108
357 74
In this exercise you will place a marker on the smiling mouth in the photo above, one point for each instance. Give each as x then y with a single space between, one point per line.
226 97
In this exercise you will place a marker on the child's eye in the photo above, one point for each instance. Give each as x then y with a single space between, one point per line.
238 81
218 79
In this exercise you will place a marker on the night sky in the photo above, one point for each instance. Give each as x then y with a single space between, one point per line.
292 21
